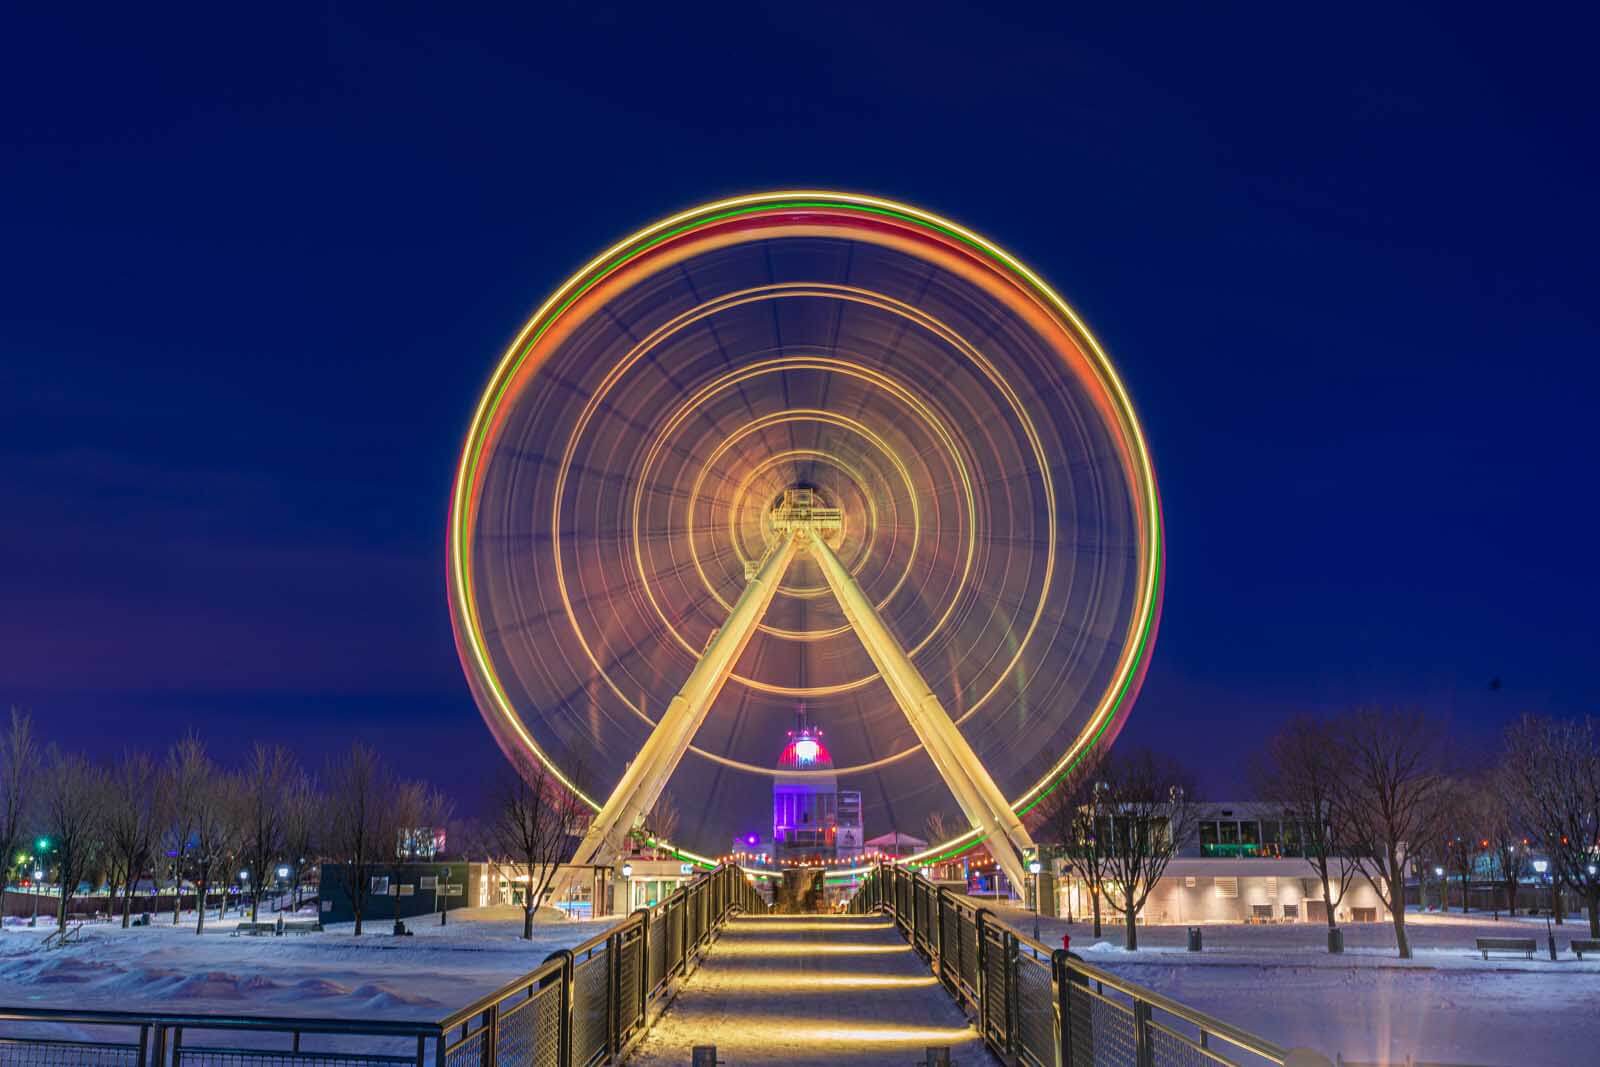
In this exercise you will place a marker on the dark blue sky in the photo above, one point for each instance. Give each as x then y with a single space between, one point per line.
257 267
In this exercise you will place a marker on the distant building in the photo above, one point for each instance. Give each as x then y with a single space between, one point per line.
403 890
812 819
1246 863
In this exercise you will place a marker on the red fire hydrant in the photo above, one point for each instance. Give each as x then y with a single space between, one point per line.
1066 942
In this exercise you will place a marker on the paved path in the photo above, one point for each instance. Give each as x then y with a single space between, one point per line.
812 990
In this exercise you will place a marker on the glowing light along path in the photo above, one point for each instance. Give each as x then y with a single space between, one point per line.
810 991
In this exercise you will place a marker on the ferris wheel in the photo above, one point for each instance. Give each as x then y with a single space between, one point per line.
805 447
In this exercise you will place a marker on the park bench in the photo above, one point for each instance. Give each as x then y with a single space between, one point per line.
1579 947
302 926
1524 945
254 929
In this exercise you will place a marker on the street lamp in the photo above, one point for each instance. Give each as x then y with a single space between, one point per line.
627 884
1444 890
1541 868
1034 867
38 874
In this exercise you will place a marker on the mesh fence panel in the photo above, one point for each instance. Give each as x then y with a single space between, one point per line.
658 949
630 1008
201 1056
1168 1048
589 1009
949 942
25 1053
467 1054
996 1001
1102 1031
529 1033
1036 1012
967 932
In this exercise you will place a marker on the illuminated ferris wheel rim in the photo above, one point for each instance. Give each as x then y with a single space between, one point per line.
779 214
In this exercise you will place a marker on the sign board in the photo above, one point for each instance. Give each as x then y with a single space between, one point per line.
327 905
428 881
408 890
455 889
394 891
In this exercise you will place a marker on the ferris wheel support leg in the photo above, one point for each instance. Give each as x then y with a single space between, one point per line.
975 791
647 775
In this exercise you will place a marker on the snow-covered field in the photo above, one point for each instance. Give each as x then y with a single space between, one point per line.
1445 1005
164 968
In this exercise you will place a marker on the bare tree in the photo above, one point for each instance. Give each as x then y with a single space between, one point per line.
1298 772
661 821
72 804
1147 813
217 832
421 812
938 826
19 764
533 819
136 811
1069 816
363 824
1391 798
188 773
302 809
1553 769
263 808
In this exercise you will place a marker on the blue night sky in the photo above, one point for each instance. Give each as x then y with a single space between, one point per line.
258 263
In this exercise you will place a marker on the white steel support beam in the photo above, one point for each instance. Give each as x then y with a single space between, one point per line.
975 791
647 775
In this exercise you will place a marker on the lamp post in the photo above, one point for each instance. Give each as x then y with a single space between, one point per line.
38 874
1444 890
1542 869
1034 868
627 886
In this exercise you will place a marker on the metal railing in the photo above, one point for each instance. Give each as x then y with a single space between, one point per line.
1043 1007
582 1006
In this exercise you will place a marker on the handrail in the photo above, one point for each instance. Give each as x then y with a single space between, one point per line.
922 911
265 1023
687 921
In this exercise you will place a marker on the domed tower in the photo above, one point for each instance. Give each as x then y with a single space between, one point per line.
805 809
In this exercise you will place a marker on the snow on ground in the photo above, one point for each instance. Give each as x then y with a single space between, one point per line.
811 990
1445 1005
166 968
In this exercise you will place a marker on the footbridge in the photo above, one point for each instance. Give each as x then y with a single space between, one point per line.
910 974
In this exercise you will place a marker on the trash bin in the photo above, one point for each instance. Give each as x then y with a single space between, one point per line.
1335 939
1194 939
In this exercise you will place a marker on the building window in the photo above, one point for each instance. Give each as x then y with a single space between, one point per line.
1230 833
1250 834
1228 887
1208 834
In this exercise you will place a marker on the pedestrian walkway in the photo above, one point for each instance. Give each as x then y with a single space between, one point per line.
812 990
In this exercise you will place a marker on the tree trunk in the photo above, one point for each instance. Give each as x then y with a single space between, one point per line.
177 897
1094 895
1397 908
527 922
200 905
1594 913
1131 942
1556 903
255 904
1511 898
356 898
127 906
1327 894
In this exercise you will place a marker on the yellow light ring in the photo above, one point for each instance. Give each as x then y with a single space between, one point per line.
1117 410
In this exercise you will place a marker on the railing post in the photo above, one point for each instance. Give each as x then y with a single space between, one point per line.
644 964
981 974
158 1047
1061 986
1141 1031
491 1034
613 997
1013 991
564 1051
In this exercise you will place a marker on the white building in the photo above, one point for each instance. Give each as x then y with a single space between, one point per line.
1245 864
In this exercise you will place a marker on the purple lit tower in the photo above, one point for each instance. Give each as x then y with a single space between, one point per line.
811 818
